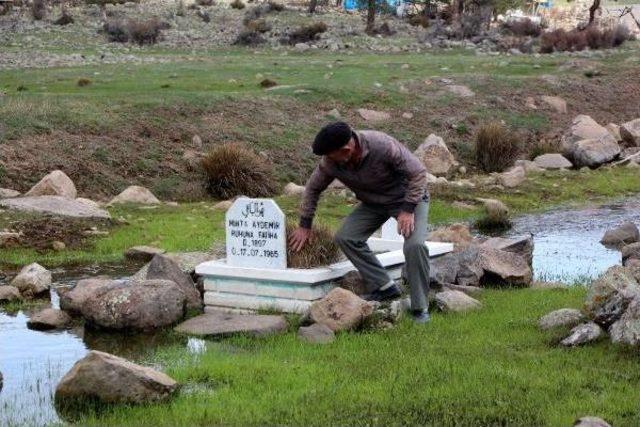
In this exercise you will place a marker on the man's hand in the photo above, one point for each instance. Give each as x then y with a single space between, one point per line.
299 238
406 223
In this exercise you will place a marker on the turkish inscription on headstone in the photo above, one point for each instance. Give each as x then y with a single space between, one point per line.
256 235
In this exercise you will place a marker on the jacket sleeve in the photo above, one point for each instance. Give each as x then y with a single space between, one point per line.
317 183
405 162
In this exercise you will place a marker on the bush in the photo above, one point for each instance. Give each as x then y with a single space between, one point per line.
258 25
141 32
419 20
83 82
320 250
384 30
496 147
576 40
523 27
65 19
249 38
237 4
38 10
204 2
233 170
181 9
260 10
306 33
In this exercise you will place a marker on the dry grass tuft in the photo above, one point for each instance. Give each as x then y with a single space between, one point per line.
38 10
267 83
523 27
306 33
320 250
576 40
83 82
237 4
496 147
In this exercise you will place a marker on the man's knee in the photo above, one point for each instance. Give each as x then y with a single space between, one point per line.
343 240
412 248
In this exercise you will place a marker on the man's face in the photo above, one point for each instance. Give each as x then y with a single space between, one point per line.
342 155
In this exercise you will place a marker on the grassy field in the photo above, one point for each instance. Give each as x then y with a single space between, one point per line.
491 367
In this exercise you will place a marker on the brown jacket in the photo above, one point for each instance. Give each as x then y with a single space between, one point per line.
388 175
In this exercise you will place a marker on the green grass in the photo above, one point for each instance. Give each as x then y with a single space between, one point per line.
491 367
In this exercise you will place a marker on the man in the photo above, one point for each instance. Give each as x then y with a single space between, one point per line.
389 181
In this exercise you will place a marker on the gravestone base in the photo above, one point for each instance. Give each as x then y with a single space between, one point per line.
290 290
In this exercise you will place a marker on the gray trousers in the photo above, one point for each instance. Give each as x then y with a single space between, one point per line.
361 224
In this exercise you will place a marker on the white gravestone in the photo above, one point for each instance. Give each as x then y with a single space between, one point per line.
390 230
256 234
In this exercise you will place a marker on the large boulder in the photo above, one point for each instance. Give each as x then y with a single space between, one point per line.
609 296
502 267
135 194
584 127
293 189
135 305
513 177
9 294
589 144
74 299
111 379
456 301
630 133
583 334
624 234
33 280
521 245
564 317
461 268
435 156
49 318
340 310
552 161
163 267
55 205
626 330
57 183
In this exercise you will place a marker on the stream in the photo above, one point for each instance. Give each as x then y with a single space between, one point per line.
566 249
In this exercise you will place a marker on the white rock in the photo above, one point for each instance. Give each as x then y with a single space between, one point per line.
135 194
373 115
564 317
435 156
552 161
33 280
6 193
57 183
461 91
583 334
456 301
555 102
513 177
292 189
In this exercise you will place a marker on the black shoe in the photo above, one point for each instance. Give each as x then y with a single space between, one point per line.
390 293
421 316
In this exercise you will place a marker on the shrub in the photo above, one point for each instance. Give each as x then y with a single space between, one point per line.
141 32
233 170
258 25
419 20
306 33
575 40
65 19
260 10
38 10
83 82
267 83
523 27
204 2
320 250
237 4
249 38
275 6
496 147
181 10
383 30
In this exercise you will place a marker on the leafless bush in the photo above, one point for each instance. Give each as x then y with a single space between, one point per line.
306 33
523 27
575 40
38 10
237 4
496 147
258 25
65 19
261 10
384 30
140 32
249 38
204 2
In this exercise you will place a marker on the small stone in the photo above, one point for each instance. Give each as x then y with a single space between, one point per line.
226 324
135 194
456 301
33 280
591 422
58 246
6 193
373 115
555 102
49 318
334 114
435 156
316 334
583 334
552 161
223 205
142 253
9 293
196 141
340 310
407 116
564 317
292 189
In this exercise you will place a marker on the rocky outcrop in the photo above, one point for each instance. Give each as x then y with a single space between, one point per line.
621 235
57 183
32 281
552 161
49 318
135 194
55 205
316 334
456 301
341 310
562 318
164 268
435 156
111 379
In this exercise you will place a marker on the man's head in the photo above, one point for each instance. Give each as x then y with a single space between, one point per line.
335 141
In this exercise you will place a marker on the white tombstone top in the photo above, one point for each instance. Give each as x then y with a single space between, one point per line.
256 234
390 230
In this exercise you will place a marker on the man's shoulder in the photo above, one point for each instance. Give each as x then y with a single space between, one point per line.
376 139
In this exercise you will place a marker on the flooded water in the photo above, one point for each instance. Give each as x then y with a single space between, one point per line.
33 362
567 248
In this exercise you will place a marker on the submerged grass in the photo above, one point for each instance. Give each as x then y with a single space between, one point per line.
490 367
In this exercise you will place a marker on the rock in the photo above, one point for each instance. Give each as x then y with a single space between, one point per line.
397 308
547 285
135 194
33 280
461 91
435 156
552 161
9 239
196 141
142 253
584 127
111 379
513 177
529 166
469 290
458 234
223 205
135 305
624 234
57 183
614 130
164 268
193 158
73 300
591 422
504 267
55 205
316 334
555 102
564 317
373 116
609 295
225 324
340 310
496 210
630 133
9 293
49 318
456 301
521 245
407 115
626 330
292 189
594 152
631 251
582 334
88 202
58 246
6 193
334 114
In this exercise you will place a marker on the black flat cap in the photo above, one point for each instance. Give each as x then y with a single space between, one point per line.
331 137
